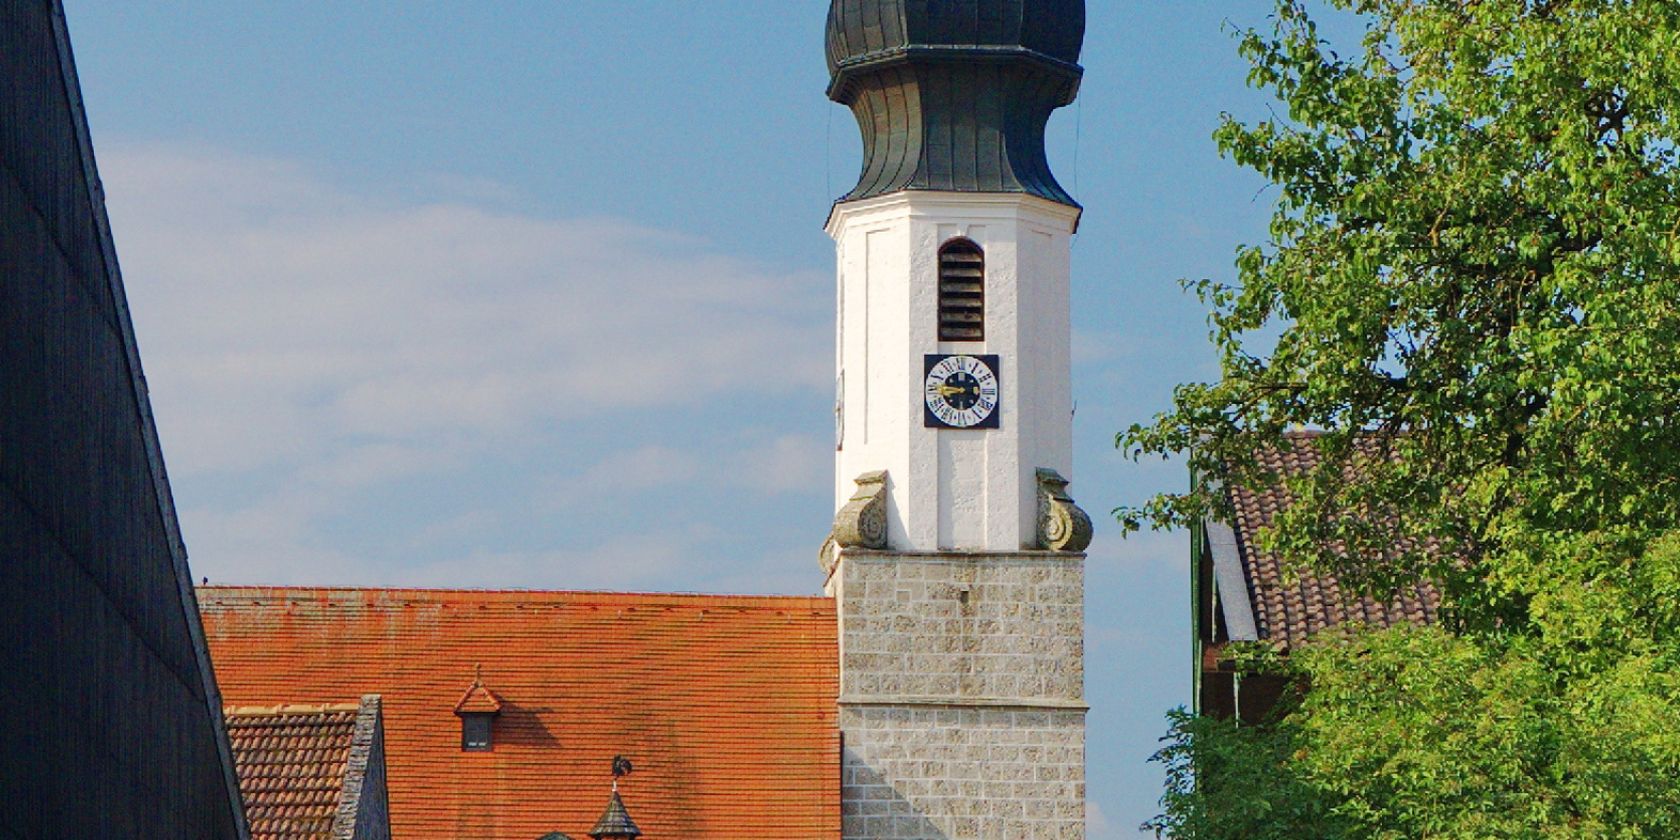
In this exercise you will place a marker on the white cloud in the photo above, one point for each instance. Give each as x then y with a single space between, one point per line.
1097 825
359 466
789 463
641 468
282 315
332 354
268 542
631 561
1159 552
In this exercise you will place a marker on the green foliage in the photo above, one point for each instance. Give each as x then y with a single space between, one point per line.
1229 782
1472 265
1417 732
1472 284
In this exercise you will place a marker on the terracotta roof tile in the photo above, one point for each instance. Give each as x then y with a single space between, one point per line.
1289 606
478 700
726 704
291 763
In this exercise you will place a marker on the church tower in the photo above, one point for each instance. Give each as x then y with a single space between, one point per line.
956 557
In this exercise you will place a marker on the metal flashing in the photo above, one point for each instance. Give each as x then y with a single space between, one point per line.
1230 584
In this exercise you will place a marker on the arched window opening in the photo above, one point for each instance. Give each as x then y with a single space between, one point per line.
962 291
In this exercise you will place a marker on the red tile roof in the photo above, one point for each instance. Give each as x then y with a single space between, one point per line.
1289 606
726 704
291 761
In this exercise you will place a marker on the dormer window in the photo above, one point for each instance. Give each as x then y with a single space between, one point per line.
476 732
478 710
962 291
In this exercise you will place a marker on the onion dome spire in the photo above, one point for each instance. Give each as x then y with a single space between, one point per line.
615 822
954 94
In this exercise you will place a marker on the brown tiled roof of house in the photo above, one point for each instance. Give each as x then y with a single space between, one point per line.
1289 606
726 704
294 766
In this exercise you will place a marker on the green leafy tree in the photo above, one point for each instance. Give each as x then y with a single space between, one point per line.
1472 284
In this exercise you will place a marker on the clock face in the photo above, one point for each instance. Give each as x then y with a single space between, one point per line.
961 392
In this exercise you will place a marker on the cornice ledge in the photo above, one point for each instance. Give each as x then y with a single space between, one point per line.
1024 703
961 555
916 202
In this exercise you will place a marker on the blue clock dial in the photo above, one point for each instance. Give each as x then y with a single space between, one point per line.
961 392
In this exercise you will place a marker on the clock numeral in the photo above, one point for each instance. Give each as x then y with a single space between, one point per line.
961 391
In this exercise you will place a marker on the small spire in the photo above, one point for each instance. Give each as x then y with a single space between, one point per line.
615 822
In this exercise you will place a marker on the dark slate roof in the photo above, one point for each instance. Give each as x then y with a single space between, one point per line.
1283 605
861 29
615 821
954 95
295 766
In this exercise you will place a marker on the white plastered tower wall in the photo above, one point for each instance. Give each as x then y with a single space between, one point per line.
949 489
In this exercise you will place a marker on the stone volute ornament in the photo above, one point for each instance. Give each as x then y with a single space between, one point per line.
1062 526
861 522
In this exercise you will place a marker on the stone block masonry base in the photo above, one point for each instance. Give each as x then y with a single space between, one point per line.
962 709
930 773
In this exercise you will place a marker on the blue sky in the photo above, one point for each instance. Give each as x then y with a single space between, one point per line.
537 295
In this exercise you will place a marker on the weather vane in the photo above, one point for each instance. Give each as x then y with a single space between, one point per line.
621 767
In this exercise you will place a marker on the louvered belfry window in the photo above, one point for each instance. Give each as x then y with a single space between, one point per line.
962 291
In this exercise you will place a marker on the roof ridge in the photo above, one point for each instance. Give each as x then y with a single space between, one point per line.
289 709
212 591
